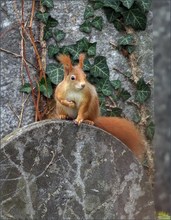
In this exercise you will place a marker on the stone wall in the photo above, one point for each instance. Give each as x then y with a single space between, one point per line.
57 170
12 100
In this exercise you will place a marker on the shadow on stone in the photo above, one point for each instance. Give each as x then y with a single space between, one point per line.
57 170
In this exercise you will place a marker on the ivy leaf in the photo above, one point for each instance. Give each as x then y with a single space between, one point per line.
45 87
89 12
114 97
136 118
135 18
126 40
51 22
52 50
127 3
111 14
64 50
150 130
92 49
86 27
119 25
47 34
116 112
26 88
103 109
143 91
55 72
97 5
144 5
124 95
130 48
83 43
106 88
102 99
87 65
75 51
47 3
58 35
112 4
100 67
42 16
116 84
97 22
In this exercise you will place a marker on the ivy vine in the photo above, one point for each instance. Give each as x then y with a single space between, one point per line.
122 14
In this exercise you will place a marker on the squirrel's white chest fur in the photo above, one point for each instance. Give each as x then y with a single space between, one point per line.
76 97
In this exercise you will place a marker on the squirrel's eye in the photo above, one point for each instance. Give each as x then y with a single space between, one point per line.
73 77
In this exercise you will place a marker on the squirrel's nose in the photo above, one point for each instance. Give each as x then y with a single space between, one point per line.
82 85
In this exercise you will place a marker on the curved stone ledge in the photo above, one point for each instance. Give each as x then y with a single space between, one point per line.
57 170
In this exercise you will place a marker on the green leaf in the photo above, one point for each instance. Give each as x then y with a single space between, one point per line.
127 3
89 12
135 18
150 130
143 91
64 50
100 67
52 50
144 5
51 22
136 118
55 72
101 99
26 88
47 3
97 5
42 16
46 87
87 65
116 84
116 112
47 34
126 40
58 35
130 48
86 27
124 95
106 88
103 109
92 49
115 4
111 14
75 51
97 22
119 25
83 43
114 97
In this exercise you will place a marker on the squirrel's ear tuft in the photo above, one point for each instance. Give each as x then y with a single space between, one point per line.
66 61
81 60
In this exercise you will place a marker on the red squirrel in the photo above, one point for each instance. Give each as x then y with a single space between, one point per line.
77 99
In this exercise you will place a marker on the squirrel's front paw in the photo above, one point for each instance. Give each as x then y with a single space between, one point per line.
78 121
63 117
71 104
67 103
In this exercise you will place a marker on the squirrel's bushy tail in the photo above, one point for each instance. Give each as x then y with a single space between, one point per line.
125 131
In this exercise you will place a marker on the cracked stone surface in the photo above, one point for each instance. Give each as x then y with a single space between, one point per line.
57 170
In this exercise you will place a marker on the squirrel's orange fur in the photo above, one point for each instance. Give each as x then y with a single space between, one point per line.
77 99
125 131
